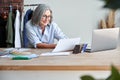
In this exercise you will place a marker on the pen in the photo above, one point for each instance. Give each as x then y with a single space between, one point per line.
20 58
84 48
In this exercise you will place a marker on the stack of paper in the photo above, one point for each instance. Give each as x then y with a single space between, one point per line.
20 55
55 54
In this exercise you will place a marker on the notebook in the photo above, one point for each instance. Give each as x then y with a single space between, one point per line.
66 44
104 39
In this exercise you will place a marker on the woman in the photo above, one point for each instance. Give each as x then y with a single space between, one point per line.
41 30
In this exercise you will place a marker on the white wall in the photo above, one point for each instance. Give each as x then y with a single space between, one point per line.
76 18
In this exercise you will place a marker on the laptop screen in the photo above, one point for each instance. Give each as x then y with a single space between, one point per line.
104 39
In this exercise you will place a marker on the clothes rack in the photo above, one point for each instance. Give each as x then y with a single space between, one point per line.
31 5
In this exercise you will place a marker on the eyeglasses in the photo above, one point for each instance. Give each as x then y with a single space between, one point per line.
46 17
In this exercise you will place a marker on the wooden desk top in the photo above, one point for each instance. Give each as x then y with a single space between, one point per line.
82 61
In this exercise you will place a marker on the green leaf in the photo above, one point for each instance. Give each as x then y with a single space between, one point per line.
111 4
115 74
109 78
87 77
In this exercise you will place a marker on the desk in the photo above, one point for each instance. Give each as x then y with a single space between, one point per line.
97 61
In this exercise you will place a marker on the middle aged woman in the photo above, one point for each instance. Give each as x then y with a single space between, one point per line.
41 30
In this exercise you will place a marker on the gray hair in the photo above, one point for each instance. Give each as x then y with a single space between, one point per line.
38 13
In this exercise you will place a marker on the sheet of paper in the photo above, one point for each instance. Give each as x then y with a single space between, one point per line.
66 44
56 54
18 49
29 56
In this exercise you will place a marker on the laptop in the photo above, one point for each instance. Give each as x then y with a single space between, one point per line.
66 44
104 39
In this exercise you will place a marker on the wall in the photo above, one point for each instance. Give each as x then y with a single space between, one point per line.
76 18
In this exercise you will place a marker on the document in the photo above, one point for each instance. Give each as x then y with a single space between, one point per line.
14 53
27 55
18 49
56 54
66 44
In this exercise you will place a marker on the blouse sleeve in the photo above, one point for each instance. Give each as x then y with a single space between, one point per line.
31 35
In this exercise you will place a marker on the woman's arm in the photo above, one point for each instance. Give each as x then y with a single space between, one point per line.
45 46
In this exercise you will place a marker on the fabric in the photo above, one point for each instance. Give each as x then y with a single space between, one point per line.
35 36
17 41
9 31
2 32
21 28
27 17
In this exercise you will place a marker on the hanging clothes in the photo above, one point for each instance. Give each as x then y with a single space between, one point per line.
9 31
21 28
27 17
2 32
17 41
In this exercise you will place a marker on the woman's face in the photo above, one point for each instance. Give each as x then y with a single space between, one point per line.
45 18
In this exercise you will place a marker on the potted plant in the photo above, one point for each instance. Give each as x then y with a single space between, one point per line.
113 5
